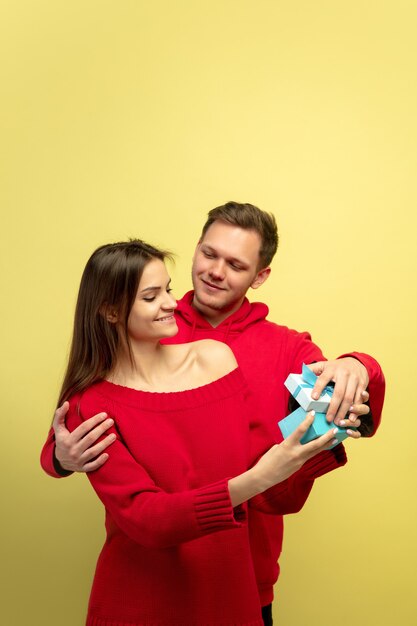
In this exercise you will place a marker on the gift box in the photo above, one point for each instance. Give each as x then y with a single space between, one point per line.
301 385
319 427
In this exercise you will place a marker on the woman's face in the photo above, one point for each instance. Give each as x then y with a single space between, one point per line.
152 313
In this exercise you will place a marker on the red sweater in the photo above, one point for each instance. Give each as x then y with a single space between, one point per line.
176 552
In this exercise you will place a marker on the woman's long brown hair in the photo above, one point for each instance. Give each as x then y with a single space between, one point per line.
109 284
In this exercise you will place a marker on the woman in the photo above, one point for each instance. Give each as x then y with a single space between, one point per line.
176 483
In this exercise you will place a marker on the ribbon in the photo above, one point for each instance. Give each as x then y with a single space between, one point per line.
310 380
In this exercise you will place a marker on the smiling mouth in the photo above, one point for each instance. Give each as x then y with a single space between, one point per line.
212 286
167 318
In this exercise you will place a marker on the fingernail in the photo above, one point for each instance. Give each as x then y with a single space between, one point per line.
110 422
351 408
342 423
315 395
349 432
312 413
334 431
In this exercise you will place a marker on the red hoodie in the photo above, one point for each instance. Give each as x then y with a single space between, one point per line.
266 354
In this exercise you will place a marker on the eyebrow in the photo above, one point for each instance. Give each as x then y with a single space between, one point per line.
155 288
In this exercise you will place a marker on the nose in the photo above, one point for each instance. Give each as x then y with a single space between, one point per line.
216 270
170 302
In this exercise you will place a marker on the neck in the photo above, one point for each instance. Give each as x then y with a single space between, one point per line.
148 360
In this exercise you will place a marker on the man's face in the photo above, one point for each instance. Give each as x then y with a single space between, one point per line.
225 265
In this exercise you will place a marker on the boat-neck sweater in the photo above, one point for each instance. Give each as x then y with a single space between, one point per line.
177 553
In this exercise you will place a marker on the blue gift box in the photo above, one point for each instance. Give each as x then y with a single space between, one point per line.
319 427
301 385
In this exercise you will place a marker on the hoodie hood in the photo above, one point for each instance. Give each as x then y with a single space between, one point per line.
195 324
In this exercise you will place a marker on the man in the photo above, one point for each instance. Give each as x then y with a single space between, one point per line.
234 253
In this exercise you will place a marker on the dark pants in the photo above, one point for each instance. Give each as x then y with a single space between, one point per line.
267 614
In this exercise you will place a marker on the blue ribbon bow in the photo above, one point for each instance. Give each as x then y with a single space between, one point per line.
310 380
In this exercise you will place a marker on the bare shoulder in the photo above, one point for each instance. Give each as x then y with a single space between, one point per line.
215 356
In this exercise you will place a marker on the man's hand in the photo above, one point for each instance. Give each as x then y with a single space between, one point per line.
351 380
76 451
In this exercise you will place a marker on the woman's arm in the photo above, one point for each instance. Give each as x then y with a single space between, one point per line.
275 474
148 514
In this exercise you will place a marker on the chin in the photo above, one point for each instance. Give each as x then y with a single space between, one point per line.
211 301
171 332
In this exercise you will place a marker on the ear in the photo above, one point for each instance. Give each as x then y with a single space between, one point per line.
109 313
260 277
112 317
197 247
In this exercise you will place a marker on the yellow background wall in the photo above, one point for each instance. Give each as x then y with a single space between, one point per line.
134 118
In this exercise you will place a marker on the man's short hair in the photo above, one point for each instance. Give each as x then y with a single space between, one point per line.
248 217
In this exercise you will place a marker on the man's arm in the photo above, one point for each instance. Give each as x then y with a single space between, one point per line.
65 452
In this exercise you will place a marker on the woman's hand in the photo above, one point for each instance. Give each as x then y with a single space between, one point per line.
279 462
282 460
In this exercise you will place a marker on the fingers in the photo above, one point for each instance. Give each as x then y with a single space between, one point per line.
92 454
316 444
360 408
321 443
353 434
301 430
356 412
346 396
360 394
87 433
343 397
58 423
351 422
82 452
317 367
80 448
350 378
95 424
324 376
93 465
338 398
93 451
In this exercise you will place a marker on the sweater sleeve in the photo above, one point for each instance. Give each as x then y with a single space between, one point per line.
49 463
149 515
